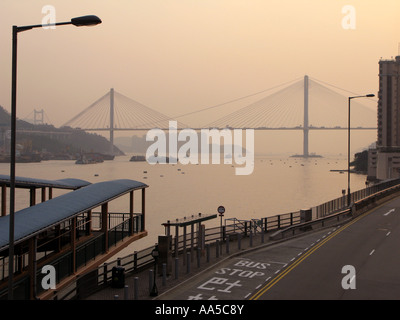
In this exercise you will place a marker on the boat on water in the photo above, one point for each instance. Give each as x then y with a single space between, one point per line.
137 158
89 159
96 155
156 159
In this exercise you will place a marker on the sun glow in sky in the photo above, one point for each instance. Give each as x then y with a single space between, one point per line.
177 56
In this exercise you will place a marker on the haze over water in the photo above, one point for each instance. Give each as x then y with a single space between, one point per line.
279 184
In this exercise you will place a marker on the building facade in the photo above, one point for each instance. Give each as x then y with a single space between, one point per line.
386 159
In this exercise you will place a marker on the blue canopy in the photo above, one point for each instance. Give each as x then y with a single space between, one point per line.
33 220
23 182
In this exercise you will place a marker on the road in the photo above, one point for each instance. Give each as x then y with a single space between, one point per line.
359 260
368 246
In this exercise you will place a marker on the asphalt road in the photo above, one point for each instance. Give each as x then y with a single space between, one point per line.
359 260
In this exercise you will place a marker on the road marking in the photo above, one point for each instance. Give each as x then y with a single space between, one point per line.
387 233
277 262
268 286
389 212
373 250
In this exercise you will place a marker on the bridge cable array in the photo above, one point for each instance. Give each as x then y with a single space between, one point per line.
282 109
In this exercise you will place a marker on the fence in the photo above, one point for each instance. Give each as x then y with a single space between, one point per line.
340 203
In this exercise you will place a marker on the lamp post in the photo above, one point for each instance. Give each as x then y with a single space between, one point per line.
78 22
348 146
155 254
221 211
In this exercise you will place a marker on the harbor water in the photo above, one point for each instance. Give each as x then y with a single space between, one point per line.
278 184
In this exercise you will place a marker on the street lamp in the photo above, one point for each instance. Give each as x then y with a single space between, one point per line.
348 146
155 254
78 22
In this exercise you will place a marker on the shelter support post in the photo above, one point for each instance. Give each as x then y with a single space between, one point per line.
104 224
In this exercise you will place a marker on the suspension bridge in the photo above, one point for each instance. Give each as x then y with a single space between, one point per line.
289 108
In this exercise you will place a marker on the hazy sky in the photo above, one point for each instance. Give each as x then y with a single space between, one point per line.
176 56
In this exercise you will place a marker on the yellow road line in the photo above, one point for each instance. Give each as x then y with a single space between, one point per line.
269 285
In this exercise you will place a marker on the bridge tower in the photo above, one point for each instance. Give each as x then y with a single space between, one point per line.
111 121
38 116
305 124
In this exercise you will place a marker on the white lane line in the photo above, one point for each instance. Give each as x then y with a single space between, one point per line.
372 252
387 233
247 295
277 262
389 212
258 286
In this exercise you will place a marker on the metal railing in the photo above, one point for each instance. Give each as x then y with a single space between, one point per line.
340 203
309 225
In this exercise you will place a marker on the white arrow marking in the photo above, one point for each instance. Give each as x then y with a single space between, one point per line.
390 211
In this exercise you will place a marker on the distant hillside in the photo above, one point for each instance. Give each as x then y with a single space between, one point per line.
49 139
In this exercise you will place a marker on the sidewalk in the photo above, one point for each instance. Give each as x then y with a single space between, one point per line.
143 277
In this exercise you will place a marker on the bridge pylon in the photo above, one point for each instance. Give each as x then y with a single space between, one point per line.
112 121
306 126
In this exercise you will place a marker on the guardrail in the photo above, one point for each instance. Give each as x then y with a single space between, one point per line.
357 207
306 226
340 203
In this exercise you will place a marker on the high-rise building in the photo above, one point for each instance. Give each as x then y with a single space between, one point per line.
389 105
388 142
